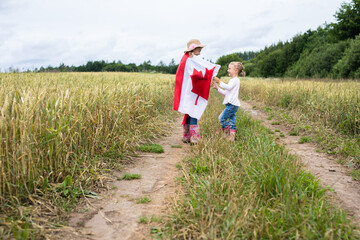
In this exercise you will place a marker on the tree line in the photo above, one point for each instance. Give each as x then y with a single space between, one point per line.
118 66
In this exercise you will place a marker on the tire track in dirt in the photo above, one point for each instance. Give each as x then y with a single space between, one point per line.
116 214
330 173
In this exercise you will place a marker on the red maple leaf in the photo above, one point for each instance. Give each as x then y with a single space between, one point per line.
201 84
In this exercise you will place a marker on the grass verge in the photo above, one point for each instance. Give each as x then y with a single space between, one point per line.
251 189
326 111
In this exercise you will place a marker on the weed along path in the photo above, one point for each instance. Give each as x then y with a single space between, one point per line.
332 175
127 210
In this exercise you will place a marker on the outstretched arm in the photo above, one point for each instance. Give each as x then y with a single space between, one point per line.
228 86
216 86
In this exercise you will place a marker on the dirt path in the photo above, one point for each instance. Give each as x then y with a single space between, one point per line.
331 174
116 215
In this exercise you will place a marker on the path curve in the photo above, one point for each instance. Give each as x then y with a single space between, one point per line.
324 167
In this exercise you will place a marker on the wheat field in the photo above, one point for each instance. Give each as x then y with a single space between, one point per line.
62 133
54 125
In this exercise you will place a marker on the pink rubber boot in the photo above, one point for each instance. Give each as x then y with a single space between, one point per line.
232 134
194 133
220 131
186 135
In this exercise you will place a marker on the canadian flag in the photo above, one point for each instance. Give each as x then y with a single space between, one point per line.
192 85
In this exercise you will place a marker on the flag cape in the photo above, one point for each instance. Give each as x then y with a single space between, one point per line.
192 85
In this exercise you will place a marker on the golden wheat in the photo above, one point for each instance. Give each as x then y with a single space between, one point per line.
57 124
334 104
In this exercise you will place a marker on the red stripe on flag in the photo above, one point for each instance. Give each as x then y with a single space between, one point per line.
197 99
179 81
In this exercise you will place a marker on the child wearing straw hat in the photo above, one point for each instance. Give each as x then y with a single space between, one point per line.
192 87
194 47
190 127
227 118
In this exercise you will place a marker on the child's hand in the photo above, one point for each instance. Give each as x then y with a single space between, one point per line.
216 79
215 86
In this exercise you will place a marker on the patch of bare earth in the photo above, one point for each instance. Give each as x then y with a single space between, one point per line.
117 212
330 173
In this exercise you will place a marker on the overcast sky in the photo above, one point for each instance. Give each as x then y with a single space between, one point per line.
36 33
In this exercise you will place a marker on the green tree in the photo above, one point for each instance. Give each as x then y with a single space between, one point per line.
319 61
96 66
224 61
172 67
131 67
273 64
349 65
145 66
246 56
348 17
161 67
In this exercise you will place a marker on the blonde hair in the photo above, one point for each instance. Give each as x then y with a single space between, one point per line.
239 66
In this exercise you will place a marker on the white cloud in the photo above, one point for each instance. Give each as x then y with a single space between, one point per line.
41 33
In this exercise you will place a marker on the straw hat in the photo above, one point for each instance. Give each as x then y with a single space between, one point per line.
192 44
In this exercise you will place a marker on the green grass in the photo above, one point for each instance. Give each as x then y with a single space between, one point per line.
130 176
146 219
251 189
327 110
143 200
151 147
176 146
305 139
154 218
294 132
268 110
143 220
178 166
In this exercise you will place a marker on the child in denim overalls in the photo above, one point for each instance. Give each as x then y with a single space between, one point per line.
227 118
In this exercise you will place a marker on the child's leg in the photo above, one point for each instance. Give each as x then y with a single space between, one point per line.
224 116
221 119
232 116
194 129
192 121
194 133
186 129
186 133
232 122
